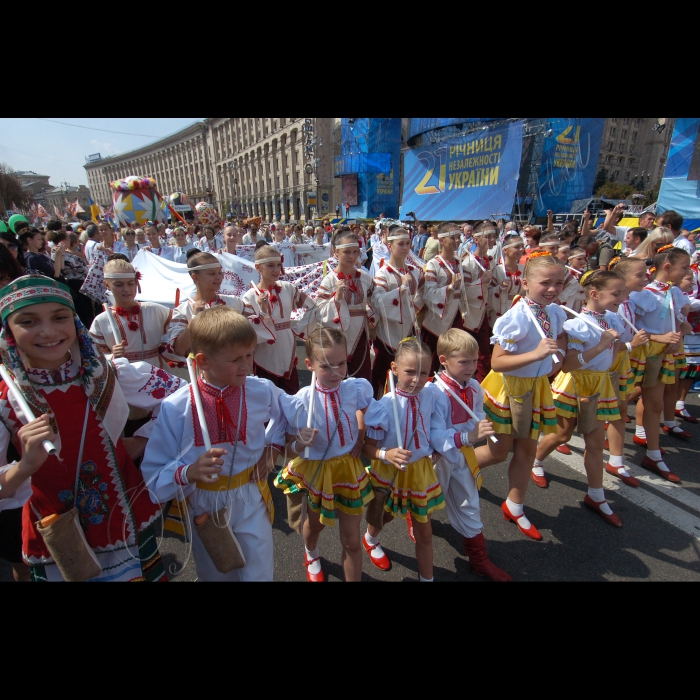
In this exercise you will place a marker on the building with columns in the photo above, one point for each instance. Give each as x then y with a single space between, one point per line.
276 168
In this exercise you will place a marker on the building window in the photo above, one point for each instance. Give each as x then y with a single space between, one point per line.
610 145
625 121
613 131
623 134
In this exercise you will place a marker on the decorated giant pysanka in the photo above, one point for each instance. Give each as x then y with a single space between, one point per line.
136 201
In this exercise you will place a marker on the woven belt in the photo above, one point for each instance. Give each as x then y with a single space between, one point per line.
283 326
134 356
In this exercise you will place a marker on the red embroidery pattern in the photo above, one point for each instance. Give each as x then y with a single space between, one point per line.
220 407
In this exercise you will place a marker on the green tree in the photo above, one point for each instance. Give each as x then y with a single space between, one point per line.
11 190
600 179
614 190
651 196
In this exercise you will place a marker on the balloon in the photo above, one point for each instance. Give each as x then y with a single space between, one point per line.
3 228
15 219
207 214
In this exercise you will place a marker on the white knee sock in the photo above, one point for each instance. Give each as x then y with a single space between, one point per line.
640 432
598 495
680 405
314 568
537 468
673 426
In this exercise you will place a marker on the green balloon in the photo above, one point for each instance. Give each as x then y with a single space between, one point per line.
3 228
15 219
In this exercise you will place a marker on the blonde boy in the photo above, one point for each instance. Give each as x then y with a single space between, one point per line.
458 354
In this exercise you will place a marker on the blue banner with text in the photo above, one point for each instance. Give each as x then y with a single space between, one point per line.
569 162
469 177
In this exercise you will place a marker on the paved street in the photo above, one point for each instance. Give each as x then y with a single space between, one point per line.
660 539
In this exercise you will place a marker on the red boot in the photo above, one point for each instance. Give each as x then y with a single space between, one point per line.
475 549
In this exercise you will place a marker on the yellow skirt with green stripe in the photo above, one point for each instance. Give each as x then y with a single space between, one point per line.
570 386
638 360
340 482
417 489
679 359
497 402
622 365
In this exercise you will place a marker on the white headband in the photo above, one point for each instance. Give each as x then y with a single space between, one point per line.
347 245
120 275
445 234
400 237
549 243
578 255
208 266
513 244
562 248
267 260
486 232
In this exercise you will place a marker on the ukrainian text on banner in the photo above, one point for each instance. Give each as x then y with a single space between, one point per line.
680 187
470 177
569 162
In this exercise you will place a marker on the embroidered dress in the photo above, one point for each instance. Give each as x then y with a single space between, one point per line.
515 332
176 441
652 308
166 252
477 294
236 303
213 245
275 353
442 306
593 378
148 330
423 419
115 512
502 293
331 477
352 313
622 363
396 317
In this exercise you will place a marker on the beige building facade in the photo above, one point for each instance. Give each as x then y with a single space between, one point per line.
633 151
277 168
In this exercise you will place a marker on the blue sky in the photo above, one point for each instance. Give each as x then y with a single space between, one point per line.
57 150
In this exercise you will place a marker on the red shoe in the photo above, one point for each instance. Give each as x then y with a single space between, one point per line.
642 441
475 549
532 532
564 449
628 419
629 480
690 419
540 481
610 519
409 525
651 465
313 578
683 435
383 562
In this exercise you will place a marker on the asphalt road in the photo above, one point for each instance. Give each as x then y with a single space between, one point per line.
659 540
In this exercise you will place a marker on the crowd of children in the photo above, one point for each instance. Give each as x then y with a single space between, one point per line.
475 357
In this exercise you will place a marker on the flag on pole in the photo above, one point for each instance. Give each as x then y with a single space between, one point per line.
41 212
77 208
14 208
95 210
58 213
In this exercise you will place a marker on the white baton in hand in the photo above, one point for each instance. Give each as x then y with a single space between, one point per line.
19 398
555 359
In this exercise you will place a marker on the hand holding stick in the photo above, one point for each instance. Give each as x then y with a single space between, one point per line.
24 406
543 335
112 323
198 404
310 412
493 438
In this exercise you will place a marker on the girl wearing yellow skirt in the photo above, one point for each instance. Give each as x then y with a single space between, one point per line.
664 320
517 396
583 393
633 271
332 478
405 475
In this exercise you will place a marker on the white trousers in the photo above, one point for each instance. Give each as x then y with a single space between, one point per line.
461 496
249 521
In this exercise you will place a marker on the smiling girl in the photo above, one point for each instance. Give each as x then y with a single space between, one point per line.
80 406
518 399
271 308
